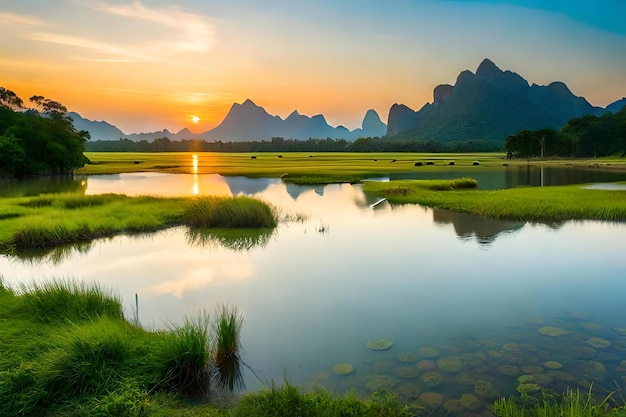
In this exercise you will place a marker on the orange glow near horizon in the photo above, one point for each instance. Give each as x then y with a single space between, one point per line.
164 63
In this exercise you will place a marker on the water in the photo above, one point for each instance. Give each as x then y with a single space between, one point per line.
314 292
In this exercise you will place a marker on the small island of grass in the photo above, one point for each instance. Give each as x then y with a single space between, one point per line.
51 220
555 203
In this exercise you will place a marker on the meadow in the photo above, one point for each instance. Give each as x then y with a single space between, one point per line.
272 164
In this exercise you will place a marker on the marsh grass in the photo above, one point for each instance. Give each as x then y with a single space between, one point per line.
318 179
69 301
227 349
184 357
237 212
288 400
71 218
573 403
542 204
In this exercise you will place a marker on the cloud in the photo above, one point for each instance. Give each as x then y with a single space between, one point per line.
171 31
194 32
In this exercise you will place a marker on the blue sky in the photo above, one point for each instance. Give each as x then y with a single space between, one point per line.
146 65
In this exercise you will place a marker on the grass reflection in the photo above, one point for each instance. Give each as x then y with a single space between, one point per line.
238 240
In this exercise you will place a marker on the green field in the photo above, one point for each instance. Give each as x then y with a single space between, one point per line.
277 164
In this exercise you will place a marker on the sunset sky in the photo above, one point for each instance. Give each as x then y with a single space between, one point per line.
152 64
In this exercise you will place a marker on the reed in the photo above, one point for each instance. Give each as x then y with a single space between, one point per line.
237 212
227 349
184 358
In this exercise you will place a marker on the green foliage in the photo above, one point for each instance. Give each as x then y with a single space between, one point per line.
236 212
35 142
587 136
317 179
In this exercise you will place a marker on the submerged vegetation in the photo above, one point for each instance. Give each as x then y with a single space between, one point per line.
52 220
525 203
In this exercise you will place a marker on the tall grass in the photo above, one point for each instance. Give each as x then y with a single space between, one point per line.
236 212
69 300
227 349
572 403
184 358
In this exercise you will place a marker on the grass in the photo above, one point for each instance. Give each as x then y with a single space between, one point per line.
313 164
573 403
237 212
288 400
54 220
227 352
318 179
556 203
85 359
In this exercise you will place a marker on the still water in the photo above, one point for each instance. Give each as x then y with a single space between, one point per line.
313 292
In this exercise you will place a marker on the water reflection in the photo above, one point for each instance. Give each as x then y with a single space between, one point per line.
249 186
468 227
54 255
236 240
54 184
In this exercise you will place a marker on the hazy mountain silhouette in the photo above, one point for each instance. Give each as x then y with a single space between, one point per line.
617 105
488 105
247 122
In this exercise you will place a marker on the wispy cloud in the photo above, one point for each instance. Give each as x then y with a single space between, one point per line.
174 31
9 18
194 33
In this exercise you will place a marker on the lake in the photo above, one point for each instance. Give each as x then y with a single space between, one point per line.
470 304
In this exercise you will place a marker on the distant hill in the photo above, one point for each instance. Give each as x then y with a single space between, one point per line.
617 105
246 122
488 105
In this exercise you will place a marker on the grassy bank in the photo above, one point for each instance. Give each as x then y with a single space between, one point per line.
51 220
66 349
527 204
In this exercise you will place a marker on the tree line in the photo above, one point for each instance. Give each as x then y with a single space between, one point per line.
583 137
38 140
278 144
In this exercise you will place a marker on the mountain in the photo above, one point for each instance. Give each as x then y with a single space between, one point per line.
616 106
490 104
246 122
372 126
99 130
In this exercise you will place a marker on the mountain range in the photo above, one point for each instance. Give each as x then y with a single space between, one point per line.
488 105
246 122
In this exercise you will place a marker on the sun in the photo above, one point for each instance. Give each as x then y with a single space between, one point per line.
195 119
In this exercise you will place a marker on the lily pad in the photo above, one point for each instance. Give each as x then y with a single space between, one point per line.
620 330
429 352
343 368
598 342
379 344
407 357
552 331
552 365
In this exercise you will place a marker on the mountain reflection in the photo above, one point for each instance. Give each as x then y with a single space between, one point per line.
238 240
295 190
248 186
468 226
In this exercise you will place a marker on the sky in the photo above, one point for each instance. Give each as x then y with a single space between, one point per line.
146 65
